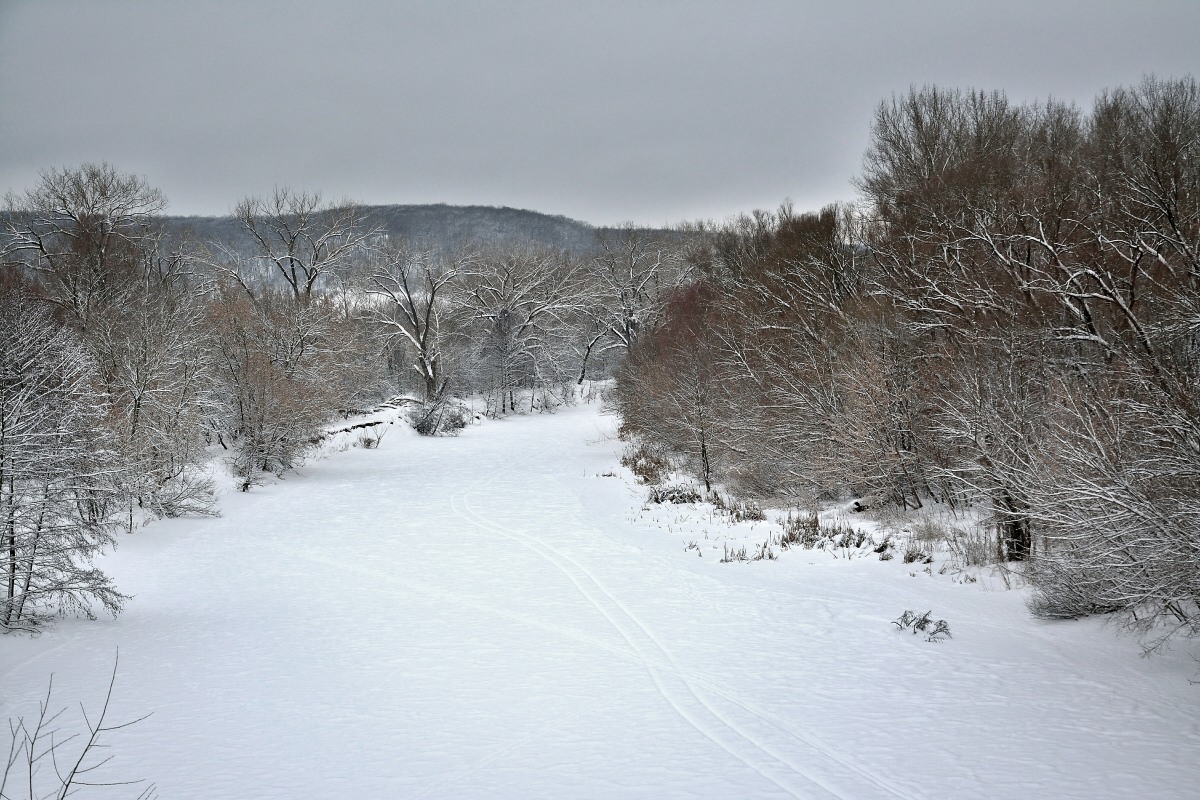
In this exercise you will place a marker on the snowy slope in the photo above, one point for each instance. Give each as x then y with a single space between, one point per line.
486 616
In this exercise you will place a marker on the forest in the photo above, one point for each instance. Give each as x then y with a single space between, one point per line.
1005 322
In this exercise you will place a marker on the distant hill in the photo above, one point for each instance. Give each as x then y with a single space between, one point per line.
449 226
435 226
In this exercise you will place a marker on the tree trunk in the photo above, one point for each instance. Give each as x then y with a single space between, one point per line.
1016 540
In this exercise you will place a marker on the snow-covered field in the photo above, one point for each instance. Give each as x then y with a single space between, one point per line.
490 616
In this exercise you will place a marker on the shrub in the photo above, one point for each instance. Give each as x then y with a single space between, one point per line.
930 531
806 529
647 463
737 510
915 551
801 528
935 630
848 537
1062 590
972 548
440 417
678 495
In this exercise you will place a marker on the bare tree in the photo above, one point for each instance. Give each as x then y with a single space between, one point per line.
297 238
1116 482
1049 260
518 309
157 362
56 471
90 243
288 356
1013 325
670 384
83 232
46 760
285 368
412 287
624 286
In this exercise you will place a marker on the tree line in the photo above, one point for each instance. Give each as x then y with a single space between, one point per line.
1009 321
129 355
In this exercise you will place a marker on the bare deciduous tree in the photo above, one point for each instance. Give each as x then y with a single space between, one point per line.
285 368
46 760
56 471
623 289
83 231
297 238
90 242
518 308
412 288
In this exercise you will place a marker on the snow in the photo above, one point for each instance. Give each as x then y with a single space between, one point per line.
491 616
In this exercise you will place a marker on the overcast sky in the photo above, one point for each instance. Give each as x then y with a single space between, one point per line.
604 111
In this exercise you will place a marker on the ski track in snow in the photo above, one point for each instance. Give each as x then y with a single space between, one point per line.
487 617
662 667
577 578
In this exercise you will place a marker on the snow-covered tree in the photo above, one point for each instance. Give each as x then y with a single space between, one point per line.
83 231
623 290
297 238
410 289
87 237
155 358
670 384
517 309
57 470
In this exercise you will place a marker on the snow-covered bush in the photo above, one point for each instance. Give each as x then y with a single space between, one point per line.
286 365
915 552
678 494
446 417
808 530
1119 506
972 547
935 630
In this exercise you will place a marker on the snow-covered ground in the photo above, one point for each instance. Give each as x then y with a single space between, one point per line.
491 616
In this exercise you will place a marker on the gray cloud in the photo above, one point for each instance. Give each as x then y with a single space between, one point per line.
653 112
